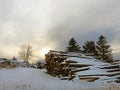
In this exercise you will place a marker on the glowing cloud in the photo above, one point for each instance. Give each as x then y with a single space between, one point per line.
44 51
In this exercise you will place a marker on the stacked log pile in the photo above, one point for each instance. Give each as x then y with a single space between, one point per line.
58 64
112 71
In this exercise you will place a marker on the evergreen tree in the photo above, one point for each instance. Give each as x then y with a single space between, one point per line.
89 47
103 49
72 46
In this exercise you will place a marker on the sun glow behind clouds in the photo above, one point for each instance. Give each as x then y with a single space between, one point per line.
45 51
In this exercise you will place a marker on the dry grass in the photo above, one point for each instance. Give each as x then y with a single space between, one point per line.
7 65
110 86
24 86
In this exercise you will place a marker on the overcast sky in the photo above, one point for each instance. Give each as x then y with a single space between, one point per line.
51 23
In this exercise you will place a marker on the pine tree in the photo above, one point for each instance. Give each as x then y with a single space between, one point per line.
72 46
103 49
89 47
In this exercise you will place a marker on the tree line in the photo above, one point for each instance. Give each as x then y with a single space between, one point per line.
100 49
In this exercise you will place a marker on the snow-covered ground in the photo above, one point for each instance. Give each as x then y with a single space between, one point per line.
37 79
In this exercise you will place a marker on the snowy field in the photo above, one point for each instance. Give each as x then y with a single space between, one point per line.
37 79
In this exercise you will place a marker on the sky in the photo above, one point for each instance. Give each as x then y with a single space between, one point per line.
51 24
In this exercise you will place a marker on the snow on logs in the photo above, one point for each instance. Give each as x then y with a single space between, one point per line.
67 66
58 65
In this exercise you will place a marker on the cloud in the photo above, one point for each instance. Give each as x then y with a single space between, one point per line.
85 19
51 23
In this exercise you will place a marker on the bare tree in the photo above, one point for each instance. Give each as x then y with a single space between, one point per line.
26 52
